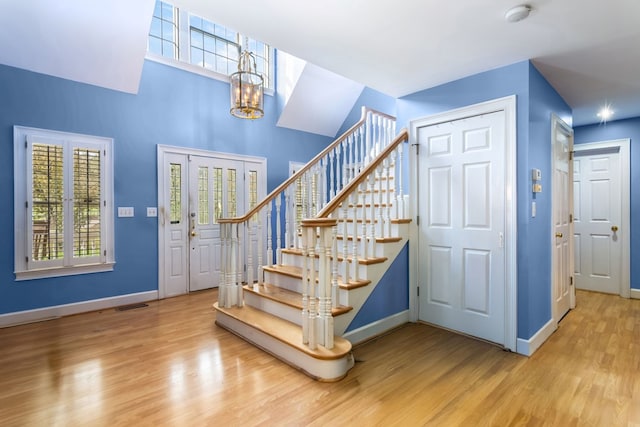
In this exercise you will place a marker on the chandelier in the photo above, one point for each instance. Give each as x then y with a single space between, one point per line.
247 89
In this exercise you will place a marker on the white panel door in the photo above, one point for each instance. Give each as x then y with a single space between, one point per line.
174 217
562 292
216 190
597 192
461 206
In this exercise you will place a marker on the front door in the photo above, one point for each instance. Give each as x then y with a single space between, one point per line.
215 191
563 291
598 227
461 208
196 189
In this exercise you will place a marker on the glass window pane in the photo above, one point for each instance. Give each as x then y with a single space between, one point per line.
86 203
210 61
195 21
203 195
157 10
47 198
156 27
210 43
175 194
217 194
208 26
155 45
196 39
167 11
231 193
253 192
197 57
167 31
168 49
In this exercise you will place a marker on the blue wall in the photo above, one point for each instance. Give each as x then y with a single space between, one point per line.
389 296
369 98
622 129
535 100
173 107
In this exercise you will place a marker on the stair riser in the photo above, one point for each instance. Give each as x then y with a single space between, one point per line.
284 311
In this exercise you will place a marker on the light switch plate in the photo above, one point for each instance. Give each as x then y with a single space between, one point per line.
125 212
152 211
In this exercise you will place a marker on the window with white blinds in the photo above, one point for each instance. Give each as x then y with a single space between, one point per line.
63 203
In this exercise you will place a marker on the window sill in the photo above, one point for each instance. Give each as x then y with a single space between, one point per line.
64 271
185 66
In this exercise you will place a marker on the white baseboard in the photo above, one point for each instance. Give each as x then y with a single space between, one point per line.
635 293
376 328
47 313
528 347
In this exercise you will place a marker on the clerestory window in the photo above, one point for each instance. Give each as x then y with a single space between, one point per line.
194 40
63 203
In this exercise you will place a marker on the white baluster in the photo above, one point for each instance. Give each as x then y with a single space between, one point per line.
380 200
368 134
371 182
345 163
332 184
362 188
400 196
354 246
356 154
278 230
260 246
327 235
338 169
269 238
288 210
387 195
345 241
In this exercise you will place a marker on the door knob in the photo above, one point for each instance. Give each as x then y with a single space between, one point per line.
614 228
559 235
193 233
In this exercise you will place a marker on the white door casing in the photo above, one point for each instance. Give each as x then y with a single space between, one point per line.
465 262
209 184
601 182
563 291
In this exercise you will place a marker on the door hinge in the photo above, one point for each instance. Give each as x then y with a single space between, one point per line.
26 205
570 280
417 219
418 290
571 155
26 259
105 252
570 218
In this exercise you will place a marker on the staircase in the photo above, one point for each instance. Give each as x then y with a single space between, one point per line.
315 249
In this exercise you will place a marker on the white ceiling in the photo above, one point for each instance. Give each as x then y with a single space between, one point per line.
589 50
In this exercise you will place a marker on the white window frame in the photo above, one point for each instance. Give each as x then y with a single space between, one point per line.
25 267
183 61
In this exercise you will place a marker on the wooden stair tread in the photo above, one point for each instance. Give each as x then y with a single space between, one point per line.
361 261
285 296
296 272
284 331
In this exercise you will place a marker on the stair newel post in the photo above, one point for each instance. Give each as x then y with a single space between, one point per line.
379 171
224 250
327 236
236 271
362 189
398 176
322 288
260 245
269 238
371 182
250 246
278 201
313 310
354 240
345 241
305 287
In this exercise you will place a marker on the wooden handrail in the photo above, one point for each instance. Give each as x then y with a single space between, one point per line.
371 167
295 176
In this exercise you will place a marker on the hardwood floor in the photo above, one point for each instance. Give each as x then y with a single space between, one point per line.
169 364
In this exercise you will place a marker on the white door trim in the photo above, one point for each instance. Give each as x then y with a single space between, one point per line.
161 151
625 212
508 105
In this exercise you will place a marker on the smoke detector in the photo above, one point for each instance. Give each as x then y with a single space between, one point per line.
517 13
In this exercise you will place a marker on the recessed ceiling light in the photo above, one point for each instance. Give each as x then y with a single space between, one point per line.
517 13
605 113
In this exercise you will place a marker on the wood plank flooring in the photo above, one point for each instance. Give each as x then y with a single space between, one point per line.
168 364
